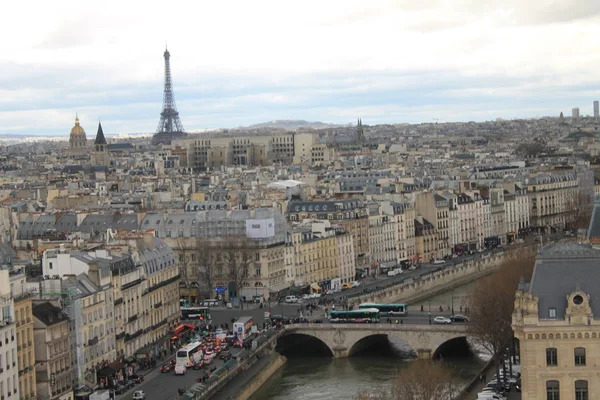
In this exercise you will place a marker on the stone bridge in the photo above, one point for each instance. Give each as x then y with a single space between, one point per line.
345 339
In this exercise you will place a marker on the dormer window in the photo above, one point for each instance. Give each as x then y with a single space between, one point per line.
552 313
577 300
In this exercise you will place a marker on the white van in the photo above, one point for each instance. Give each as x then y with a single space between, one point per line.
489 396
291 299
391 273
180 369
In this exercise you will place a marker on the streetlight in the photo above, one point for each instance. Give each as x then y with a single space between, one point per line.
452 301
430 312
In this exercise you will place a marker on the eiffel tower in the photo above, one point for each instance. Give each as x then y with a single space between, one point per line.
169 126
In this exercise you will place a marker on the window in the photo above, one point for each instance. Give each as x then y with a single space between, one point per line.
581 390
552 390
551 357
552 313
579 356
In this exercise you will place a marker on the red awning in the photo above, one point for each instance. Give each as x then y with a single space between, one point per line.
117 365
184 327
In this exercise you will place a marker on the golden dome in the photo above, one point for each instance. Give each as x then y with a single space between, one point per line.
77 129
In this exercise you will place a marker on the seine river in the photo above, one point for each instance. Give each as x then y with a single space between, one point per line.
316 378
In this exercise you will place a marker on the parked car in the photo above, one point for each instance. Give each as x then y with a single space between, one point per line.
442 320
438 261
355 284
291 299
137 378
129 384
347 286
225 355
459 318
120 389
139 395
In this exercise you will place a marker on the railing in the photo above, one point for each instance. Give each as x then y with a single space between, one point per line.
132 318
164 283
118 301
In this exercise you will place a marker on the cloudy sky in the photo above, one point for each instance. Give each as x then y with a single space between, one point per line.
243 62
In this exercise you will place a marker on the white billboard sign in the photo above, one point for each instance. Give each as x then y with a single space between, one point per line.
260 228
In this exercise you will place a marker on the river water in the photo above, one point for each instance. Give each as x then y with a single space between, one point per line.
321 378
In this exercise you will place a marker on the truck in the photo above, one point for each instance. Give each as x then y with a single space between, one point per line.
100 395
241 327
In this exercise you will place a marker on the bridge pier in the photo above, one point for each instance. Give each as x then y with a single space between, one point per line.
340 352
424 354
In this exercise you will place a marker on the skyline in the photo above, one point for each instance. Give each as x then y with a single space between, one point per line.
384 61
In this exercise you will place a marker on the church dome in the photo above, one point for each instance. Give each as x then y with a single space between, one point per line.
77 130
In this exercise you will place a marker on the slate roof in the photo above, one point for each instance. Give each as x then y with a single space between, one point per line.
559 270
594 228
48 314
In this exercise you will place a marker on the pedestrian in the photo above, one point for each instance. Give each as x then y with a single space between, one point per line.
422 309
481 378
461 309
389 321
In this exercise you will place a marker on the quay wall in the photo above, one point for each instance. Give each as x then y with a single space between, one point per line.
251 387
413 290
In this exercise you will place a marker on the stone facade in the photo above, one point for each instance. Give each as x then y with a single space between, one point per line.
555 320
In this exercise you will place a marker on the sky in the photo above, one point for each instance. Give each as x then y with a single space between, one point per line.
237 63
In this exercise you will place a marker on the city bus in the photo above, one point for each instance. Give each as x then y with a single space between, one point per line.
201 313
364 316
387 310
189 354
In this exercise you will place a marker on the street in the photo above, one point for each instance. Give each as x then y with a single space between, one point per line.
163 386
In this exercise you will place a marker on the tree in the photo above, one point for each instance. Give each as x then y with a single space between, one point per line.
238 256
208 263
491 303
531 150
422 380
579 210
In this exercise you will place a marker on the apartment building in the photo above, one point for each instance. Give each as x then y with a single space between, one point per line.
403 218
551 195
202 240
9 379
555 321
426 240
471 219
160 291
436 209
25 348
345 254
128 302
382 238
352 215
316 252
516 211
87 280
54 377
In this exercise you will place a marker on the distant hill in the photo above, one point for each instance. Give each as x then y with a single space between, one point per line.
290 124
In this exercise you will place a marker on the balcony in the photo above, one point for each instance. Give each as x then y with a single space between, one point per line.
130 337
158 305
164 283
118 301
131 284
132 318
93 341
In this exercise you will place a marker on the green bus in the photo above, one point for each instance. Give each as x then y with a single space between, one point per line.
363 316
387 310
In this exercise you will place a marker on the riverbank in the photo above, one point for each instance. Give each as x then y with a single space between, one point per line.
248 382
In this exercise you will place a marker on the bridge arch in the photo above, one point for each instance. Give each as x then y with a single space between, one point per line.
303 343
368 341
452 346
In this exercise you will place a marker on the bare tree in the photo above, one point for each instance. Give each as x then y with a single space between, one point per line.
238 257
579 210
491 303
208 263
422 380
